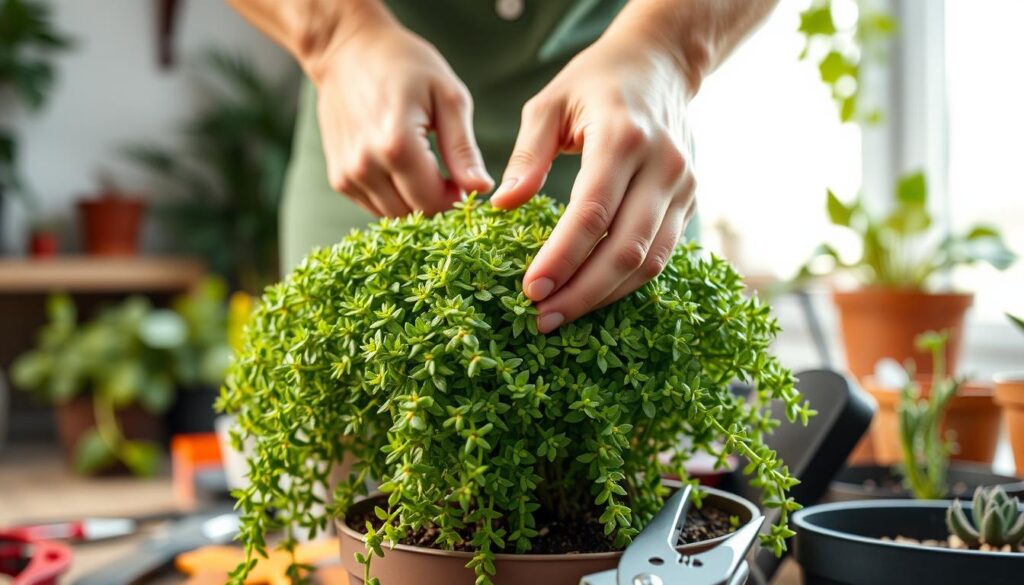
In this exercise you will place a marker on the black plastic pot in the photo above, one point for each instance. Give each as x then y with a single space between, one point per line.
192 411
877 482
838 544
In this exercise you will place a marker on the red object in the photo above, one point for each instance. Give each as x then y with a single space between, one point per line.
111 224
43 244
32 562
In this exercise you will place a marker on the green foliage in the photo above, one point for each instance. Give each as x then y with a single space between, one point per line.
411 347
899 249
997 519
129 354
1017 321
223 187
28 42
841 61
925 451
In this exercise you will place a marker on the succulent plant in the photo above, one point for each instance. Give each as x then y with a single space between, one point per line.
997 519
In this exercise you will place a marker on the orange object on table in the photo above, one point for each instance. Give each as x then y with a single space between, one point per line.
210 565
191 453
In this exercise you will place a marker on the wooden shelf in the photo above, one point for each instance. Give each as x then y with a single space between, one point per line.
85 274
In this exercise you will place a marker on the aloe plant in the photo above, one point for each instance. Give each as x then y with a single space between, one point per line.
997 519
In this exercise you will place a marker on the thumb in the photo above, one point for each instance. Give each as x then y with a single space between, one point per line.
536 146
458 146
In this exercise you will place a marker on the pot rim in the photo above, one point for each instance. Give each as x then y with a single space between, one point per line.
803 520
753 510
904 292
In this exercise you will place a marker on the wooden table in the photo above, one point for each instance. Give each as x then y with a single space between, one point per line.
87 274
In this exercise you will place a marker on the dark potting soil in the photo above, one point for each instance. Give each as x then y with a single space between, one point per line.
583 534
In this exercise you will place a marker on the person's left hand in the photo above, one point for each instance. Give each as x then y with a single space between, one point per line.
622 104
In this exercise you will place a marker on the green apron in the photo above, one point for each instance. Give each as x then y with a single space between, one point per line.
505 51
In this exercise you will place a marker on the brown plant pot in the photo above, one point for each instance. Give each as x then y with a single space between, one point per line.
881 323
405 565
76 416
111 224
1010 395
43 244
972 415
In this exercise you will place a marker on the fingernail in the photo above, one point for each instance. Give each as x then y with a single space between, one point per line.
481 174
540 289
549 322
506 185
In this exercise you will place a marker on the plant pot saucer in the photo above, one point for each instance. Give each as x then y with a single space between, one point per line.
840 544
878 482
442 567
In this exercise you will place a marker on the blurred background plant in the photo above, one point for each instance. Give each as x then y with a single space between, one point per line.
225 184
131 354
28 44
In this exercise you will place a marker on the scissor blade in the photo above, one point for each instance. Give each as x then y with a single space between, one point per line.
658 540
719 564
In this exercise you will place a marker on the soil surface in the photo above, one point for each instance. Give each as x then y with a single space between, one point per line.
579 535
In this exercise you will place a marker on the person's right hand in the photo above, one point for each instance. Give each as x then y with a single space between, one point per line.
381 90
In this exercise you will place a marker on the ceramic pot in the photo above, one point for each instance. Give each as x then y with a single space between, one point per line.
840 544
878 482
1010 395
881 323
972 415
439 567
43 244
111 224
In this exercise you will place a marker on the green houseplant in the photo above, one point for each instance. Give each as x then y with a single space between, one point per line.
901 254
410 349
223 188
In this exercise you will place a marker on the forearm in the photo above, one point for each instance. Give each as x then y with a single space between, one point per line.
698 34
308 28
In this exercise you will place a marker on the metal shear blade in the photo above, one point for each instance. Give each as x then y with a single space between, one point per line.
652 558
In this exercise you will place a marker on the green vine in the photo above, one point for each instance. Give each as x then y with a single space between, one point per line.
410 348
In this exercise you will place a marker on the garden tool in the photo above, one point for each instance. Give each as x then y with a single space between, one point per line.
27 561
653 559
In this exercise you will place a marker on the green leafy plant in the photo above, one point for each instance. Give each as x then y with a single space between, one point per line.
129 354
1017 321
997 520
925 451
845 49
899 249
28 42
224 186
411 348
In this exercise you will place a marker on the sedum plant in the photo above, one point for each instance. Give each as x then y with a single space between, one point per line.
925 451
410 349
997 520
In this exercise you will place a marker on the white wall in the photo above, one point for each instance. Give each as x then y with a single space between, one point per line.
110 92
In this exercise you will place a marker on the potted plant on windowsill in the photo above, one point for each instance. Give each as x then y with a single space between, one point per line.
1010 395
409 350
900 256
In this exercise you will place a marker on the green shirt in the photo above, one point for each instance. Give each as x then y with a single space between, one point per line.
505 51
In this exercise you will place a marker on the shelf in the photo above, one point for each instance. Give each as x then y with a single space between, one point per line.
85 274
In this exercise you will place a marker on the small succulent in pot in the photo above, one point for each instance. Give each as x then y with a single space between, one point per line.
411 349
996 520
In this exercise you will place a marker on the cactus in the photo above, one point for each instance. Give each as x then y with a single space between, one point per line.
997 519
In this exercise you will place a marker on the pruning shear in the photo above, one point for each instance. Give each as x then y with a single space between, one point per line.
652 558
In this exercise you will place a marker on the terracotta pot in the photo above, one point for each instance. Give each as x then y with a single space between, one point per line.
881 323
1010 395
972 415
43 244
77 416
111 224
427 566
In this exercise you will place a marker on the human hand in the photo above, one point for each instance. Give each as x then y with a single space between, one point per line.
622 104
381 90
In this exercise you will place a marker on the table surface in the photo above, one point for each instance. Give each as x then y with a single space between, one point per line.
35 486
98 274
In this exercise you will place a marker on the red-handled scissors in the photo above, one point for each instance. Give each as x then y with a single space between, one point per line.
32 562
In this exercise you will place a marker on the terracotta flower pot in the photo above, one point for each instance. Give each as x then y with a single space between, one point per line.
972 415
111 224
427 566
77 416
1010 395
881 323
43 244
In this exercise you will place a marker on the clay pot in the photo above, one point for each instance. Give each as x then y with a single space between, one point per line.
428 566
111 224
77 416
881 323
1010 395
972 415
43 244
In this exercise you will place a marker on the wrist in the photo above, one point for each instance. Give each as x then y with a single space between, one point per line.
322 37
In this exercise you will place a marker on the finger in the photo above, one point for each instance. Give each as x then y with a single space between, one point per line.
616 258
382 193
664 245
457 141
536 146
606 168
414 171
